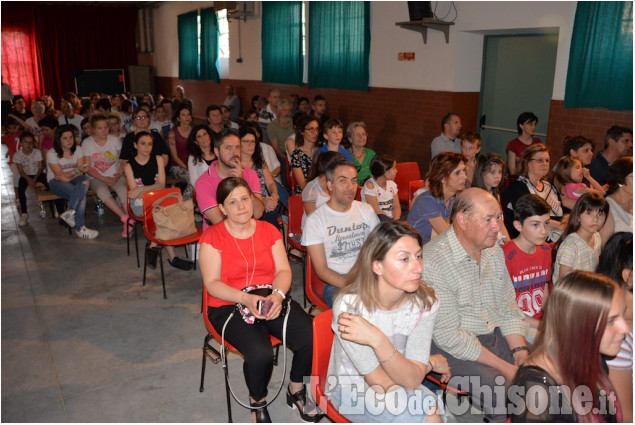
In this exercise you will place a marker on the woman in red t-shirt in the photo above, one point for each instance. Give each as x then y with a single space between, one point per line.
241 252
526 126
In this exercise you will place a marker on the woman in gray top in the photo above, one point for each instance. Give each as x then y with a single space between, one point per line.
383 320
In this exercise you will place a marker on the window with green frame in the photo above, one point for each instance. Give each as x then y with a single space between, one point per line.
198 45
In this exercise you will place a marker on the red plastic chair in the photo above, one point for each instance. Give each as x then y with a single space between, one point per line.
413 186
406 172
314 287
358 194
149 228
294 233
322 343
214 356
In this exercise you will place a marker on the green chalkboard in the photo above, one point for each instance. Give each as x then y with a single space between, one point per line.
109 81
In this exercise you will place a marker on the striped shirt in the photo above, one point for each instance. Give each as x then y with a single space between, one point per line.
475 298
574 252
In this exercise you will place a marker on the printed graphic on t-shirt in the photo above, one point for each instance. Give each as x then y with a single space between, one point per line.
530 289
348 240
102 161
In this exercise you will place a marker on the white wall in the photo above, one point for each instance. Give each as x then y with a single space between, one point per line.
455 66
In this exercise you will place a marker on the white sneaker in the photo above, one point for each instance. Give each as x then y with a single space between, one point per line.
69 217
86 233
24 218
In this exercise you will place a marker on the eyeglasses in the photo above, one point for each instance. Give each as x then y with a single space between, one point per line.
312 129
541 161
248 142
141 118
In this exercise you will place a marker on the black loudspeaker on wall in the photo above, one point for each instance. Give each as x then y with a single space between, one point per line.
419 10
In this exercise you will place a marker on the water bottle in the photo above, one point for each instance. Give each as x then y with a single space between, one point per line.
100 208
42 210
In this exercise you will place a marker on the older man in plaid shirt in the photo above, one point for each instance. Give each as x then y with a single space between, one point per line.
479 329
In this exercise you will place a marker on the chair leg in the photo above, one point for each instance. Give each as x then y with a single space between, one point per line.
304 279
205 344
186 254
145 265
195 252
136 244
128 238
165 296
229 404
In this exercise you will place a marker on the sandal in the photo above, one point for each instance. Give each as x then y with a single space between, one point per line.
298 400
262 414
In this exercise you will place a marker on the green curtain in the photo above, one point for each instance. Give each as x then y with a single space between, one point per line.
339 44
209 45
282 60
601 58
188 46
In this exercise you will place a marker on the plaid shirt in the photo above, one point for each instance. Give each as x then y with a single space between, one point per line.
474 298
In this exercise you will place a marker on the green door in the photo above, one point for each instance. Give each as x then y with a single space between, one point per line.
518 72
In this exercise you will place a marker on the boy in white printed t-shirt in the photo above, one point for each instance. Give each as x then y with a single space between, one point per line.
29 163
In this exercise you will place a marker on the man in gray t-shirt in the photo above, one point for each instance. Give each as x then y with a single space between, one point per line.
335 232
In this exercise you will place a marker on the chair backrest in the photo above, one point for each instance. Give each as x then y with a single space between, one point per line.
296 209
322 344
406 172
413 186
149 228
358 194
314 286
287 177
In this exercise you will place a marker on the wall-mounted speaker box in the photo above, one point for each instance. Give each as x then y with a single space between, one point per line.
419 10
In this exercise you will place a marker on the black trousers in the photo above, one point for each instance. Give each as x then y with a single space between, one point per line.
254 343
22 185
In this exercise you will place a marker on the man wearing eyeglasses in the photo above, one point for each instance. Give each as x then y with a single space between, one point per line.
448 141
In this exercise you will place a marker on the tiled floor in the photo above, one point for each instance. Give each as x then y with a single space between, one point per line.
84 341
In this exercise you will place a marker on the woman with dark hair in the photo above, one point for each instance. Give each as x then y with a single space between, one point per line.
66 173
250 116
432 206
616 262
619 179
383 320
177 142
238 254
307 131
563 379
251 157
579 147
532 170
526 126
200 145
145 172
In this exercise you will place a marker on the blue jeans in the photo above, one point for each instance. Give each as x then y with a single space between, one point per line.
75 192
327 293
